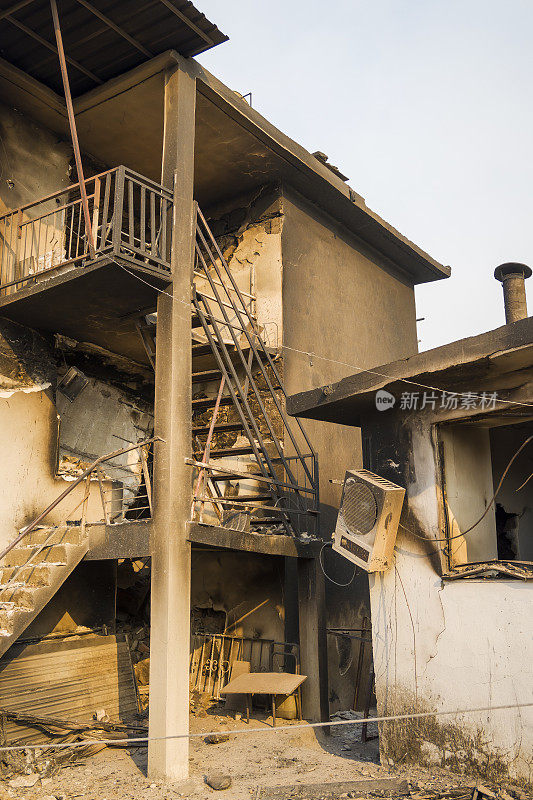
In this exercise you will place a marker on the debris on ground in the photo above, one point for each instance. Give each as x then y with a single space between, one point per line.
24 768
216 738
382 787
218 781
258 764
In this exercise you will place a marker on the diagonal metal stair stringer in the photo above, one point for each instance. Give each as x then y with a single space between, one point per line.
296 491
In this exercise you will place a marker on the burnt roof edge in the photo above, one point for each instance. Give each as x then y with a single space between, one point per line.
320 403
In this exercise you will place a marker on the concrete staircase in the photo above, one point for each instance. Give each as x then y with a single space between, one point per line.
31 574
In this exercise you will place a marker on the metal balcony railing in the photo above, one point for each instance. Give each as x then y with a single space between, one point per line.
130 219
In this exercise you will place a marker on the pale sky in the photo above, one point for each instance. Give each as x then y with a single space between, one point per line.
427 106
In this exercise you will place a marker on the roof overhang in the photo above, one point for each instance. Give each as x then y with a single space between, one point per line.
461 366
102 38
236 149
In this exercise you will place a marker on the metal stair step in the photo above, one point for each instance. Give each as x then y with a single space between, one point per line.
249 498
19 556
203 403
223 427
223 477
206 376
201 349
232 451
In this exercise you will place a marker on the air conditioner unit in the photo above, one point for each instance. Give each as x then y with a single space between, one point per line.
368 520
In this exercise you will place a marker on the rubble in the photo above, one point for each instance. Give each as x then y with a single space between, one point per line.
218 781
216 738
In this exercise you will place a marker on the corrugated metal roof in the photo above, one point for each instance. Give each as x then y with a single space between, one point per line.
102 38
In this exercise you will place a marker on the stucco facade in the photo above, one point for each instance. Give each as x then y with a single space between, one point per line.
451 619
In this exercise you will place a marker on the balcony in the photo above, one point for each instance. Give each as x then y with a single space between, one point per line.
59 277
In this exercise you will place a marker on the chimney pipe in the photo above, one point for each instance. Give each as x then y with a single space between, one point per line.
512 275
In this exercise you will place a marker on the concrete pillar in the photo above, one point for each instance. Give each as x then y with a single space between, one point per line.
171 559
313 640
512 276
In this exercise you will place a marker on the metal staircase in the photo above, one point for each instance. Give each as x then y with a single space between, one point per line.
251 383
229 350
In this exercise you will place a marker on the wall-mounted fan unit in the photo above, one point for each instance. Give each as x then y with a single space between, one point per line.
368 520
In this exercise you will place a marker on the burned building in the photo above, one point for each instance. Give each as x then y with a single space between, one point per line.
162 289
451 617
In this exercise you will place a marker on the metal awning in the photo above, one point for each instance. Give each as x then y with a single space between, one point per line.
103 38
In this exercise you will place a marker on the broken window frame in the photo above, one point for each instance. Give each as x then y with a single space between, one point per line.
487 570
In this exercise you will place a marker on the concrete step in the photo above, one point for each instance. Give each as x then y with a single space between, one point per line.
20 603
33 575
61 535
9 615
20 555
19 594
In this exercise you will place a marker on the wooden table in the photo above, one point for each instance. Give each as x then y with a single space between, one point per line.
271 683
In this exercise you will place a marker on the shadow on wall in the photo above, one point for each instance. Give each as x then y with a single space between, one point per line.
85 600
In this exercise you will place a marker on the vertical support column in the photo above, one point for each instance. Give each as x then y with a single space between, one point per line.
313 640
171 560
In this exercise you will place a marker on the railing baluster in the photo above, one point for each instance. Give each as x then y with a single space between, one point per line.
164 223
96 211
153 234
78 237
147 481
105 211
71 231
143 218
118 210
39 234
131 220
18 243
12 233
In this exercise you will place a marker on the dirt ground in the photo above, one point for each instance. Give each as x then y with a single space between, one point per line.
255 761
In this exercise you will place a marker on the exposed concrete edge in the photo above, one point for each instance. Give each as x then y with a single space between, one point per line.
54 279
275 545
123 540
319 403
